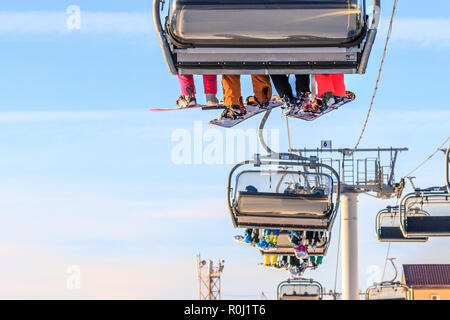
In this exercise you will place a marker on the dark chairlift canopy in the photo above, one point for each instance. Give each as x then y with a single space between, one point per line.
266 36
300 289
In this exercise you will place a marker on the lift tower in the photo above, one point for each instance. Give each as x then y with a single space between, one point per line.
208 278
372 174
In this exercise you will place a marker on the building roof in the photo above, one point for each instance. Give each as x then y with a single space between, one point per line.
426 275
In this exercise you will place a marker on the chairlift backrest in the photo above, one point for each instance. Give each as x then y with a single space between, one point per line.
300 289
387 291
286 199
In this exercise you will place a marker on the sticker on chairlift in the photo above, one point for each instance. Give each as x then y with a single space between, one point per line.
351 57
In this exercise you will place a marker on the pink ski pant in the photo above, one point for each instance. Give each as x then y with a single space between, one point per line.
209 83
330 83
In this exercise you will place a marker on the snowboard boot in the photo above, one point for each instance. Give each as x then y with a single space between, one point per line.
233 112
248 236
327 100
274 241
211 100
186 101
263 244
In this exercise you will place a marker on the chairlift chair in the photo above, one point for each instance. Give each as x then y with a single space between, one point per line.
432 199
285 197
387 291
300 289
388 229
266 36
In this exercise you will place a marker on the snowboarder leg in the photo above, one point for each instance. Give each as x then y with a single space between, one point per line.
187 87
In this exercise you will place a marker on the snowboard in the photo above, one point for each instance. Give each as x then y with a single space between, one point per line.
251 111
202 106
240 239
301 113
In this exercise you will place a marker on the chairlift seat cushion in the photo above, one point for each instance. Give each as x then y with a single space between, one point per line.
428 225
265 23
276 204
395 234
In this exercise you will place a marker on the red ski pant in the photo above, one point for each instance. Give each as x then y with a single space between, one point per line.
231 85
209 83
330 83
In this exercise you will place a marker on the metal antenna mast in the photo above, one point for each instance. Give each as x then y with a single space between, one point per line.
208 278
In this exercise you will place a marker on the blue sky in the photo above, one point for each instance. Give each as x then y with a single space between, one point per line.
87 177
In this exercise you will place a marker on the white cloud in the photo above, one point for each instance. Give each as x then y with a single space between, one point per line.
419 31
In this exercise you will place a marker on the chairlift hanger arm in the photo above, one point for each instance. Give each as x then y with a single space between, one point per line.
168 57
447 169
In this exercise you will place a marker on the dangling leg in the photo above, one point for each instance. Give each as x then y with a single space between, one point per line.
324 84
248 235
319 260
325 89
210 86
265 242
231 85
273 260
338 84
262 89
274 240
302 85
187 88
281 83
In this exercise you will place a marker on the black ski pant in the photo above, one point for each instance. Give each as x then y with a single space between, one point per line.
281 83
